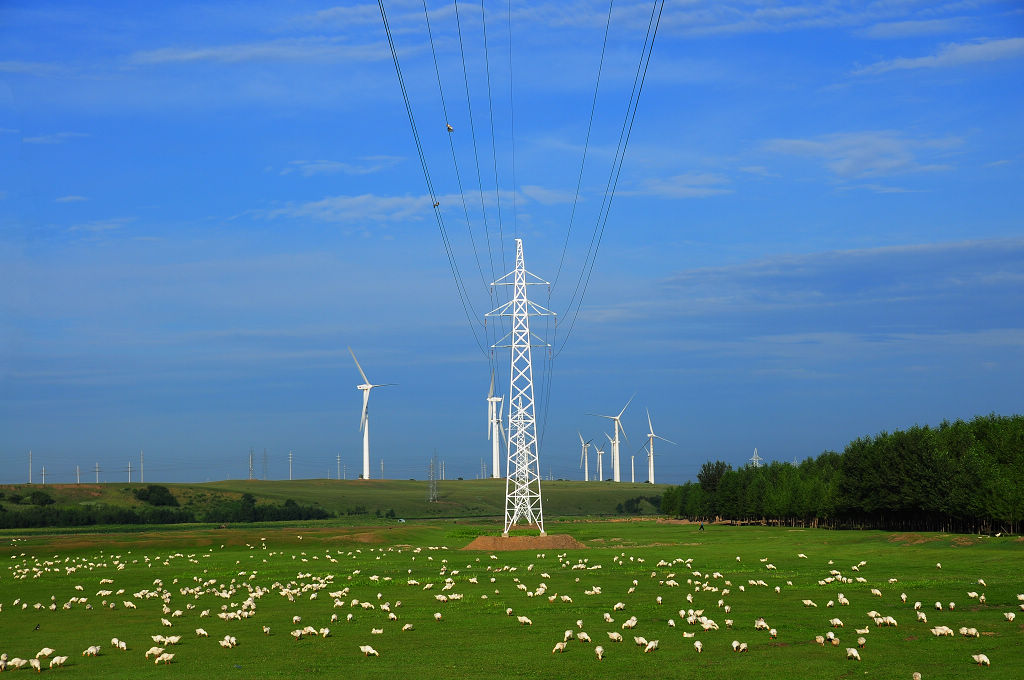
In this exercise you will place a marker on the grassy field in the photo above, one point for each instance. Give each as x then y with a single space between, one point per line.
408 498
219 569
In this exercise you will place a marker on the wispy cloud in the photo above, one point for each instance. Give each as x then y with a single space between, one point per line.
100 226
55 138
546 196
285 49
31 68
350 209
70 199
690 185
866 154
954 54
913 27
368 165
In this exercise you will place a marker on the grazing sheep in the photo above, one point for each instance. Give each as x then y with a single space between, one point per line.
93 650
376 631
166 658
296 619
852 653
559 647
437 616
876 592
57 661
820 639
44 652
583 637
938 606
523 620
809 603
407 626
698 646
599 652
1009 616
735 645
508 611
367 650
835 623
34 663
266 630
619 606
922 617
155 651
202 633
297 634
861 642
614 637
651 646
773 633
981 659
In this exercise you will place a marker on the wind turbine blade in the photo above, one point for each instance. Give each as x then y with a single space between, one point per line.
598 415
609 437
362 418
490 392
649 421
621 428
581 436
365 379
385 385
658 436
626 406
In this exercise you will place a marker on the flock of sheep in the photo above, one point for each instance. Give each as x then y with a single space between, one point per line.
331 593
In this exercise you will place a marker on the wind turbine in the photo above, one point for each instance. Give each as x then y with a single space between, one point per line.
364 420
584 463
650 448
615 442
493 427
632 470
600 467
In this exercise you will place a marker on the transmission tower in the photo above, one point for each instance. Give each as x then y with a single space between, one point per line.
252 471
432 476
522 469
755 460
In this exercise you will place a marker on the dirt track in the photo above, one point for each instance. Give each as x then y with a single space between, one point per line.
551 542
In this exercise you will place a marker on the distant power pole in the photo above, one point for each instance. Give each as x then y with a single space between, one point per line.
44 475
432 476
30 466
252 470
344 471
382 468
289 466
442 471
97 473
339 467
129 472
78 475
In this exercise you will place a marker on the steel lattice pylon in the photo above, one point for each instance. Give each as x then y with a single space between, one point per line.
522 481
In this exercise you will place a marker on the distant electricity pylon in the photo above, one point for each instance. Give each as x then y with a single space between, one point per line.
339 467
289 466
755 460
97 473
432 476
30 466
252 470
522 469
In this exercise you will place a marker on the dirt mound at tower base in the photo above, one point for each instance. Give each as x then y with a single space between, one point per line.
549 542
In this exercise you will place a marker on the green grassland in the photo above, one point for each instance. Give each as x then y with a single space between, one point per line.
407 498
475 638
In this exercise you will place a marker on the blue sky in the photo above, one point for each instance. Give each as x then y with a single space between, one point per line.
816 234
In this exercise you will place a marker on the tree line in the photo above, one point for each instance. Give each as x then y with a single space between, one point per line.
959 476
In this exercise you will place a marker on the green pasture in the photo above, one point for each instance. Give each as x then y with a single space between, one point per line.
475 638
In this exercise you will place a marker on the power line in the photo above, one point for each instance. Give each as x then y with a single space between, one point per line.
512 120
617 162
467 304
494 149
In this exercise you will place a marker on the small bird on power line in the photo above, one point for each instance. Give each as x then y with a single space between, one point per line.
437 203
450 128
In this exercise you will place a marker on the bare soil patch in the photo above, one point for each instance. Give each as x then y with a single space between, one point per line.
549 542
912 539
963 541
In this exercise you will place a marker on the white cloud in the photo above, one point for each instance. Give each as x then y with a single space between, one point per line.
955 54
32 68
55 138
913 27
369 165
349 209
690 185
70 199
100 226
285 49
866 154
546 196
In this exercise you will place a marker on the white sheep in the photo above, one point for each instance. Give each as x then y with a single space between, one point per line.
698 646
651 646
583 637
34 663
45 652
57 661
559 647
861 642
155 651
599 652
367 650
614 636
981 659
407 626
852 653
523 620
437 616
165 658
202 633
1009 616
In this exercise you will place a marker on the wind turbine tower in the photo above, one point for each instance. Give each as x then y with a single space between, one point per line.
522 470
493 428
615 440
600 466
650 448
364 420
584 463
